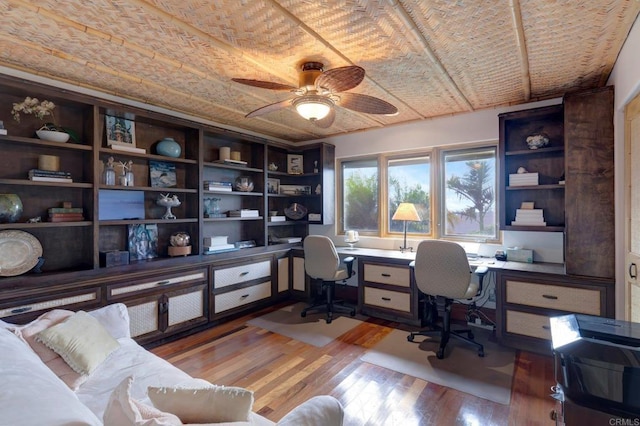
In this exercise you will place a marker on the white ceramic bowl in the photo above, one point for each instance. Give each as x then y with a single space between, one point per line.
52 136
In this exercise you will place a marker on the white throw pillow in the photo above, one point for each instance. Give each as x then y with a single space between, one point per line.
122 410
212 404
115 318
321 410
80 340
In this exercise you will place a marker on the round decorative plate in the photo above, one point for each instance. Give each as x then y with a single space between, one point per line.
19 252
295 211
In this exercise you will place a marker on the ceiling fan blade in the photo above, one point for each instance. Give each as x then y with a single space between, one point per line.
264 84
341 79
269 108
327 121
365 103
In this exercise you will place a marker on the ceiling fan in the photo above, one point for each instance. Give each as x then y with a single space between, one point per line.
319 91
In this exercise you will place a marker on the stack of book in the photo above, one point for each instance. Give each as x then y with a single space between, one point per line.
217 244
277 218
62 214
523 179
49 176
211 185
529 217
244 213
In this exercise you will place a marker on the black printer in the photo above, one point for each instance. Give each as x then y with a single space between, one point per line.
597 362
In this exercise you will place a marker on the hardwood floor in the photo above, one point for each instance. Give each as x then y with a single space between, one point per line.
284 372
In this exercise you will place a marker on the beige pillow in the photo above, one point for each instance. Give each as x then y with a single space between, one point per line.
52 360
80 340
212 404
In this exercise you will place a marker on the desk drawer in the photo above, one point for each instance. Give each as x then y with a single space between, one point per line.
556 297
528 324
159 282
240 274
242 296
387 299
384 274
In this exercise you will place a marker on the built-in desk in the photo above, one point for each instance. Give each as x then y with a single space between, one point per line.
527 294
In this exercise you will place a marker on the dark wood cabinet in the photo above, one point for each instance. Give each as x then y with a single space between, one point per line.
589 193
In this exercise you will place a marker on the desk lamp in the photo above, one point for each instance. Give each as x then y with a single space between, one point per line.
406 212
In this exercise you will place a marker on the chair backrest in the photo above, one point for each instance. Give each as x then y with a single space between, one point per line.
321 259
442 269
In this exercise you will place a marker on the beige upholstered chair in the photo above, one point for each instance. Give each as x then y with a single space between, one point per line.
321 263
443 274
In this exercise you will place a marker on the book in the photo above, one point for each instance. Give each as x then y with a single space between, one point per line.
50 179
65 210
66 219
527 223
128 148
76 215
244 213
162 174
277 218
215 251
529 212
216 240
234 162
219 247
217 183
218 188
51 173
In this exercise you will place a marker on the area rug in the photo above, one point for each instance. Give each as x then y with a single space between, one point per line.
312 329
461 369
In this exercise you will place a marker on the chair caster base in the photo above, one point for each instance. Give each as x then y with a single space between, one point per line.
410 337
440 353
303 314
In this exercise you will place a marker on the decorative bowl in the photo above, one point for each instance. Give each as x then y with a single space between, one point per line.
244 184
52 135
536 141
295 211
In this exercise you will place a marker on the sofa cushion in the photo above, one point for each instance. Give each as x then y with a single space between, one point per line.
31 394
321 410
80 340
114 318
211 404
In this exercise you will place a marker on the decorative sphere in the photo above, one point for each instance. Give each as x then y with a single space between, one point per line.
10 208
180 239
169 148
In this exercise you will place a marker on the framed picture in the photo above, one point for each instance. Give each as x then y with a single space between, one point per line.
295 189
162 174
273 186
294 164
143 241
120 131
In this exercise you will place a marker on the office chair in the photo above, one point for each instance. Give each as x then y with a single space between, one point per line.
321 263
442 273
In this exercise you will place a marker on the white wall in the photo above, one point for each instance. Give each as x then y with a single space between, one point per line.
626 78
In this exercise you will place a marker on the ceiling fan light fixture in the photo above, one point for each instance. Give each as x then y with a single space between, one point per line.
313 107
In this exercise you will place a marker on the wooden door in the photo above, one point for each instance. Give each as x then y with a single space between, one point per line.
632 216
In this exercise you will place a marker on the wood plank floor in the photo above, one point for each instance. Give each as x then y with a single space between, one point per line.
284 372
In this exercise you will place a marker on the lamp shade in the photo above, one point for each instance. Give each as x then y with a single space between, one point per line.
406 211
313 107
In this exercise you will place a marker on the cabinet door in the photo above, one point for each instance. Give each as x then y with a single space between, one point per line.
590 215
283 274
299 275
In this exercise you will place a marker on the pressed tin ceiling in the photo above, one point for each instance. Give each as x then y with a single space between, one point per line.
429 58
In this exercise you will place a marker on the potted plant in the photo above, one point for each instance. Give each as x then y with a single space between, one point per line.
49 131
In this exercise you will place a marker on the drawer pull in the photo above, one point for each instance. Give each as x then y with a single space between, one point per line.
21 310
242 274
386 275
244 296
546 327
165 282
386 299
550 296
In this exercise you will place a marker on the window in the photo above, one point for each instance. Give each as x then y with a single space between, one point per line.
469 188
408 181
360 195
453 188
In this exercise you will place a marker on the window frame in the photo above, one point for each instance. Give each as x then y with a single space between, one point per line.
436 191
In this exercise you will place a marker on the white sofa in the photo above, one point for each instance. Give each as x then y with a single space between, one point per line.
40 388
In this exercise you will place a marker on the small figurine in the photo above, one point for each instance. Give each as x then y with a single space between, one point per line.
319 189
36 219
315 167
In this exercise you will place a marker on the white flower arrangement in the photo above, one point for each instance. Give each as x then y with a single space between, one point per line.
35 107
